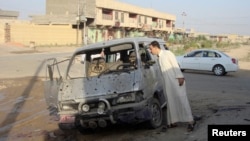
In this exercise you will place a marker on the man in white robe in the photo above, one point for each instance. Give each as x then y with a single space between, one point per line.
178 108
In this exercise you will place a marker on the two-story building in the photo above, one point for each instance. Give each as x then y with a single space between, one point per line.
98 20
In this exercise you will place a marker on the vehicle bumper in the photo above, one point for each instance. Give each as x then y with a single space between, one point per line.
232 68
124 113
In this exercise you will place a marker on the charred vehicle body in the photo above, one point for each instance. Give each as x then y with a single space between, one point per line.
116 81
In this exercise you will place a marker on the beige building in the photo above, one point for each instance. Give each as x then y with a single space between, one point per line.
102 20
27 33
70 22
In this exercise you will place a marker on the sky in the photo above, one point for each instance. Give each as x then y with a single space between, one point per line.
206 16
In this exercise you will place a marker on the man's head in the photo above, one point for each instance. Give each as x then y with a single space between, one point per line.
132 57
154 47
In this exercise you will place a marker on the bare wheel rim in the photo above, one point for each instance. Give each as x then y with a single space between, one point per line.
156 113
218 70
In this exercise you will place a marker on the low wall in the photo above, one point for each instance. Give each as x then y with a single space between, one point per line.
27 33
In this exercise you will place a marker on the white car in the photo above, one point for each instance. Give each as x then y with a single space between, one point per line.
208 60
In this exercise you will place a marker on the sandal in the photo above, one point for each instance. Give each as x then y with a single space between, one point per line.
172 125
191 127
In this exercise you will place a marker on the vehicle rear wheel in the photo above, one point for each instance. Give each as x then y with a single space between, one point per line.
219 70
156 111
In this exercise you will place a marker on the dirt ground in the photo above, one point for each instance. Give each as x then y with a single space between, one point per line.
24 117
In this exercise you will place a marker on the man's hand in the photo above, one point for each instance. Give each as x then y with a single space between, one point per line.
181 81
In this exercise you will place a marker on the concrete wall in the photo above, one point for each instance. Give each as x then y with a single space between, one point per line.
2 26
26 32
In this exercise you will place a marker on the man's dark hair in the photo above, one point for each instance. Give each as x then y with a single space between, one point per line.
155 44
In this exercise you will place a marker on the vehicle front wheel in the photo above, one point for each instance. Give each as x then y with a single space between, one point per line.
219 70
156 111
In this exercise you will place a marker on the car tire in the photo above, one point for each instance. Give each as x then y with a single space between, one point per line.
219 70
156 111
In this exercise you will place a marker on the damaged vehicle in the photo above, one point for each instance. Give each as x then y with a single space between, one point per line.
110 82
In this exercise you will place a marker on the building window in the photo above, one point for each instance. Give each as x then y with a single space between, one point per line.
107 14
139 20
155 22
168 23
116 15
146 20
132 18
122 17
154 19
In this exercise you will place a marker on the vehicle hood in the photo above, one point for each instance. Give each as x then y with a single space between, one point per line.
179 58
81 88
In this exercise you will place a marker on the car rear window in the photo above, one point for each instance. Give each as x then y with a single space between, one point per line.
224 54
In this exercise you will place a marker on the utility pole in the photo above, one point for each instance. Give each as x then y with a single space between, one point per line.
77 22
81 18
183 24
84 19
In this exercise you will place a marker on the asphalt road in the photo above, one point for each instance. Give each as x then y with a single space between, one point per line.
207 93
22 65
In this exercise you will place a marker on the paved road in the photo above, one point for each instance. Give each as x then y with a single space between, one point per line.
207 82
21 65
205 90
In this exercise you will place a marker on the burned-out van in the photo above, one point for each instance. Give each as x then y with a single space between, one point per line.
111 82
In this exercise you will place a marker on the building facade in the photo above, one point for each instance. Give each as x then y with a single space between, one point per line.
98 20
76 22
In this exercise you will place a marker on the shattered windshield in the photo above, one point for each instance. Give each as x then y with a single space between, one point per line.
96 62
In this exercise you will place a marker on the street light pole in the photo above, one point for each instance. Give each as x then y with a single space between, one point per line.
183 24
84 25
77 22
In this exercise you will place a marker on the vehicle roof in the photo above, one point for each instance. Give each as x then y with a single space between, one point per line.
209 49
104 44
206 49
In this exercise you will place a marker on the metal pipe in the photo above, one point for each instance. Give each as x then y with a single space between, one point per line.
109 108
